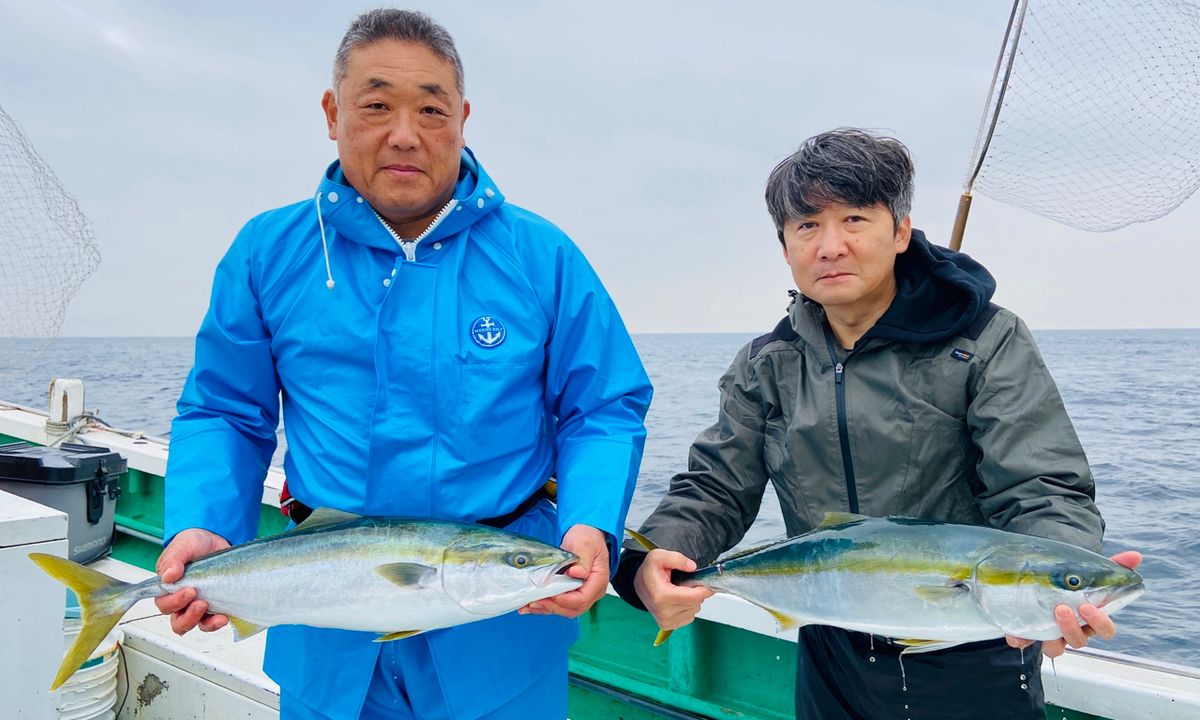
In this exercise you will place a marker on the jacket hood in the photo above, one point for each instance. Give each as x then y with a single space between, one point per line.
344 209
939 293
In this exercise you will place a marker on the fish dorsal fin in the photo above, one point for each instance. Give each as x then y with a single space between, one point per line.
941 594
641 539
406 574
923 646
325 516
841 518
243 629
398 635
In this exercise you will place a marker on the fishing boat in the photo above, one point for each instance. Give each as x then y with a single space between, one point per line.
730 663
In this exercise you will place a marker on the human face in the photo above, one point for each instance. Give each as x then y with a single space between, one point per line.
398 121
844 257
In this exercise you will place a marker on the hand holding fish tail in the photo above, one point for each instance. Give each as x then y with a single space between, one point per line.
672 606
1098 623
185 610
589 545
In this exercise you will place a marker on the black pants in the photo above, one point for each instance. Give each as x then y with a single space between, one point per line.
837 680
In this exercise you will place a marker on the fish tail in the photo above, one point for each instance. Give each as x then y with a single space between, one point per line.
102 601
641 539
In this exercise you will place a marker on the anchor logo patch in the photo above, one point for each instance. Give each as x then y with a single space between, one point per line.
488 332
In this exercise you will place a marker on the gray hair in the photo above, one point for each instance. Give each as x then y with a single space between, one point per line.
403 25
846 165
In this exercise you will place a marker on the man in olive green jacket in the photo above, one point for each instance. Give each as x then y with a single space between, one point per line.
893 387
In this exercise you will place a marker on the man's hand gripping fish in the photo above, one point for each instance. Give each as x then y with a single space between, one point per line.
928 585
395 577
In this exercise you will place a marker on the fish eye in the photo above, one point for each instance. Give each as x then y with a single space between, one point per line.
519 560
1074 582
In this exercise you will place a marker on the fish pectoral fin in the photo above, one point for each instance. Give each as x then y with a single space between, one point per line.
841 518
941 594
923 646
641 539
786 622
662 636
243 629
406 574
325 516
398 635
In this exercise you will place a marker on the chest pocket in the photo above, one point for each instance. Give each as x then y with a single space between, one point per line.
941 477
939 382
498 381
498 408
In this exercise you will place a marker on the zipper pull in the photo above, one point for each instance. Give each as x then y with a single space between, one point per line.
837 373
410 249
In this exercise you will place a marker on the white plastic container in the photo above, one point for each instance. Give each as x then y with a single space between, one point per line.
91 693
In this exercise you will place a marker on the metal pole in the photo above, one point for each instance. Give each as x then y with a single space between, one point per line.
983 139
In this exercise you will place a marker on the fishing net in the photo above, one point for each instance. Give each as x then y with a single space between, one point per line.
1097 127
47 250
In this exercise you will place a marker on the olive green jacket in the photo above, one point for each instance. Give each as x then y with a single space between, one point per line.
968 428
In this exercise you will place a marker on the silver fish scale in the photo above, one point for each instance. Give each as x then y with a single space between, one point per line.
329 577
917 579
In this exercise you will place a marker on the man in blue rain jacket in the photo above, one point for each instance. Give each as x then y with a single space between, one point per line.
439 353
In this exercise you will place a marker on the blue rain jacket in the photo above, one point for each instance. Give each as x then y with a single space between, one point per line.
449 385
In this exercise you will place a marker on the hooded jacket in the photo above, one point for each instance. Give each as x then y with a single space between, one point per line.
445 378
943 410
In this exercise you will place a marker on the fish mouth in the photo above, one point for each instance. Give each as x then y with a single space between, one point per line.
1117 598
557 574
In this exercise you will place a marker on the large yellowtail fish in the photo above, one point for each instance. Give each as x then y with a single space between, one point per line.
928 585
396 577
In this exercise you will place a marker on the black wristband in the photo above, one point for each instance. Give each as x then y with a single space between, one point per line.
627 569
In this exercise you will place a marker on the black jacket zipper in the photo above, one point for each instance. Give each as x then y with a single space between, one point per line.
839 370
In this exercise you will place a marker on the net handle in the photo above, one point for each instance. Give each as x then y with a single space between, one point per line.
960 222
987 126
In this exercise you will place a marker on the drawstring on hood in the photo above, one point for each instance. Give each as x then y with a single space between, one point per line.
324 243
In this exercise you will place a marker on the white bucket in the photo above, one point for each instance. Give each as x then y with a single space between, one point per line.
91 693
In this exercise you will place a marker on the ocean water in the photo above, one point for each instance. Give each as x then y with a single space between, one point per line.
1134 396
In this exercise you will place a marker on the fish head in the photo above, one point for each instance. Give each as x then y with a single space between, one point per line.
1019 585
493 572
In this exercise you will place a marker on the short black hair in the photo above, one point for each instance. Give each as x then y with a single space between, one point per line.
392 24
847 165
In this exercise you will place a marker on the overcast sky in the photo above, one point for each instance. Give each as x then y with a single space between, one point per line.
646 130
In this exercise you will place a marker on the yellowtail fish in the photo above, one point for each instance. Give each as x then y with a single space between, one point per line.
396 577
928 585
